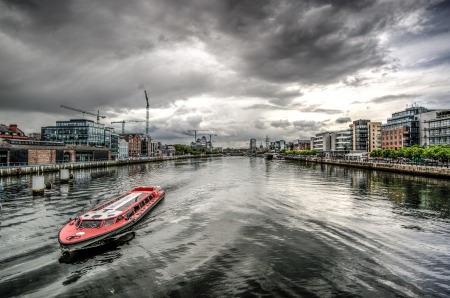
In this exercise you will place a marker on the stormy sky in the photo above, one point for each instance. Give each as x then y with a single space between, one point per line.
239 69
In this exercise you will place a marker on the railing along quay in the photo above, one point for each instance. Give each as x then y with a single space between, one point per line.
31 169
413 169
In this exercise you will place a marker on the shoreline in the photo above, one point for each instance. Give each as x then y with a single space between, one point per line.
37 169
411 169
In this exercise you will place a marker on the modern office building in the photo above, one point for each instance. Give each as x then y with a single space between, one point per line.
78 132
360 135
374 136
344 141
437 129
403 128
324 142
278 145
114 145
302 145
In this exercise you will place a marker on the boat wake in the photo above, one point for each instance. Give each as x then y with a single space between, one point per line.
111 243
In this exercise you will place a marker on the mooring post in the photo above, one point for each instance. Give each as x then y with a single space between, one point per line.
64 175
38 185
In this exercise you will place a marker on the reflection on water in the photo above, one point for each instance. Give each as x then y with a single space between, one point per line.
234 227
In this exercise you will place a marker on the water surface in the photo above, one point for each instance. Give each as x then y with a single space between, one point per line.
235 226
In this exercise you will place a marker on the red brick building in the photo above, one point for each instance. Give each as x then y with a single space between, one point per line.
134 144
11 132
16 152
393 138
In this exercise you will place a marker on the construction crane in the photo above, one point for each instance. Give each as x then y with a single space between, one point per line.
85 112
195 133
210 139
146 115
126 121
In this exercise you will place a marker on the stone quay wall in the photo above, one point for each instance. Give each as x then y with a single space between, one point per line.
37 169
413 169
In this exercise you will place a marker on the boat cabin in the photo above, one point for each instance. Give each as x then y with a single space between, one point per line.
120 208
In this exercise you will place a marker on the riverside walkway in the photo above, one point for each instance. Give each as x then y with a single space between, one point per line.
413 169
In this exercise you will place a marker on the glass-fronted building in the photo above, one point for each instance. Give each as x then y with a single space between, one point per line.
402 129
439 129
78 132
360 135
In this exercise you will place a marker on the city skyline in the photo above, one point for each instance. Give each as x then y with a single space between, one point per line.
243 69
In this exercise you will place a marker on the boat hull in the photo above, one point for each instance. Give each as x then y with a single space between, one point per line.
75 242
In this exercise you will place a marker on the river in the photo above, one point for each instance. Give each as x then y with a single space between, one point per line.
235 227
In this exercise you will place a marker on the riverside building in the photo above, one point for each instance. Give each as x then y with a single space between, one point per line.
78 132
437 129
402 129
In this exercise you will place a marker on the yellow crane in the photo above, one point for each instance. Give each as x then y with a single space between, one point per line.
126 121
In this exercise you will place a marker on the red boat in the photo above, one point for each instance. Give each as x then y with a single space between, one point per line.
109 219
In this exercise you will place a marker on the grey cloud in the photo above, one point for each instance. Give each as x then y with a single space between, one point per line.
311 41
342 120
392 97
101 56
355 81
316 109
280 123
308 124
260 124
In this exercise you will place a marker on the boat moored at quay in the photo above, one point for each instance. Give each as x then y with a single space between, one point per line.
109 219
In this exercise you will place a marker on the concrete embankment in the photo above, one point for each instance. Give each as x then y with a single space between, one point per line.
24 170
424 170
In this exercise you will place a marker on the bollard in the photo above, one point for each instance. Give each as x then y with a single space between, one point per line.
64 176
38 185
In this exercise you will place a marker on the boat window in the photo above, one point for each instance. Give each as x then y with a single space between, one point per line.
129 214
108 222
119 218
141 204
136 208
146 201
90 224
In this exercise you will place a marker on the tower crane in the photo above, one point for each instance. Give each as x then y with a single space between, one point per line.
210 139
195 133
126 121
146 115
85 112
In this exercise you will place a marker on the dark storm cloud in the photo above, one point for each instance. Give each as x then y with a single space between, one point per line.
102 55
342 120
311 41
